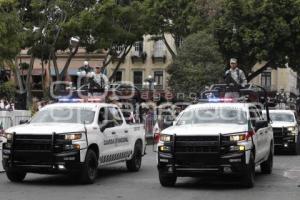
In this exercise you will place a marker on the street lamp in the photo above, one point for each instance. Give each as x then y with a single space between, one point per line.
150 82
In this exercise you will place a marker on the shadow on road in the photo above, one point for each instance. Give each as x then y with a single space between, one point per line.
67 180
215 182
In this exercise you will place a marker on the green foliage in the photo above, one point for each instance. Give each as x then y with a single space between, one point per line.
169 16
9 31
8 90
265 30
24 66
112 24
48 25
198 64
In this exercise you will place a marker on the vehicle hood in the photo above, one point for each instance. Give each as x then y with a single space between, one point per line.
46 128
205 129
282 124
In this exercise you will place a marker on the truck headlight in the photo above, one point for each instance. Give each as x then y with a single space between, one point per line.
236 138
8 136
73 136
165 138
293 130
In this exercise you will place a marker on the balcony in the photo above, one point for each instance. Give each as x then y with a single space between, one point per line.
138 56
159 56
117 57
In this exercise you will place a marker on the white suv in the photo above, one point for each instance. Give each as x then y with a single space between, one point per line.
218 138
73 138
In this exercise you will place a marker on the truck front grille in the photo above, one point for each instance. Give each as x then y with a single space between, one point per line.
38 143
197 144
32 142
280 132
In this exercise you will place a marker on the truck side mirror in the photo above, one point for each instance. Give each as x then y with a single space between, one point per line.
23 121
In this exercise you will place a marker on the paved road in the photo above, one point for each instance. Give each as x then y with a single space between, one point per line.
116 183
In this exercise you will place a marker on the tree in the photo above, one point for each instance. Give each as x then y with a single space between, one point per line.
9 31
198 63
115 26
204 13
10 42
256 31
169 16
48 29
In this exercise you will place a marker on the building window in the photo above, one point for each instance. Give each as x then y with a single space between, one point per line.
159 48
266 80
138 79
158 79
138 46
119 76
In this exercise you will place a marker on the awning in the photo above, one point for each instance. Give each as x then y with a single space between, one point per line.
35 72
71 71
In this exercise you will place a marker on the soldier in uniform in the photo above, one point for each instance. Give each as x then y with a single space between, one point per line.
235 78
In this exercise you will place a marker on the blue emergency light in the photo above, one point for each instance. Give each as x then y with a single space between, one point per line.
218 100
77 100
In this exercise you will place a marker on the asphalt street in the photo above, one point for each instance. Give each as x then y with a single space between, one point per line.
115 183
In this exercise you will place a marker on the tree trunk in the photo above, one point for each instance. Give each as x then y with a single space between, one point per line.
107 61
42 76
173 54
18 76
259 71
54 60
126 51
63 73
28 83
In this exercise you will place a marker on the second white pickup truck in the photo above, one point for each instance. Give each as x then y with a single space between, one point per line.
73 138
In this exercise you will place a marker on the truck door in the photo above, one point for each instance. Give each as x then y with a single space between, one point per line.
108 129
258 139
266 135
123 137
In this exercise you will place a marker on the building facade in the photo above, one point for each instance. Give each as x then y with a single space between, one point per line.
147 58
274 80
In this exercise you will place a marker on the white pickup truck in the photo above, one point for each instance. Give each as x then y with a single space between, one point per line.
72 138
216 138
286 130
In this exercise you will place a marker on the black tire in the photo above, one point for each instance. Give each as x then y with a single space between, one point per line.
249 173
296 149
15 176
267 166
134 164
167 180
89 170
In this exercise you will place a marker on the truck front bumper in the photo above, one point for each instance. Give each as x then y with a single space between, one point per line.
202 164
42 162
285 142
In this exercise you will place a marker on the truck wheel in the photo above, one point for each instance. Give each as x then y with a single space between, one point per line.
15 176
249 173
167 180
90 168
134 164
267 166
296 149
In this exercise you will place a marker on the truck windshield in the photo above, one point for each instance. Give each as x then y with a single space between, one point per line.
282 117
64 115
213 115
